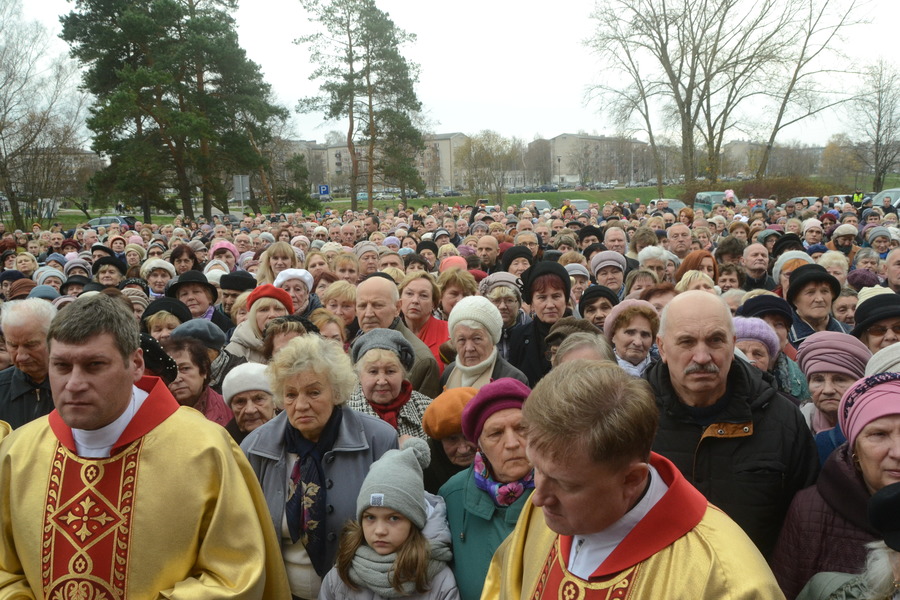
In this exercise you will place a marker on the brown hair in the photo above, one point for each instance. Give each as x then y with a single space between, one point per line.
595 406
692 262
461 279
411 564
435 290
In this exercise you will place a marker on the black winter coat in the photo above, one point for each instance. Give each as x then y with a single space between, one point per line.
22 400
751 461
527 350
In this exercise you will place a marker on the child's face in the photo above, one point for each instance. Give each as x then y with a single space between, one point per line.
385 529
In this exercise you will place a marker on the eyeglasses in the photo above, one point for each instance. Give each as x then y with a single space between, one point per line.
880 330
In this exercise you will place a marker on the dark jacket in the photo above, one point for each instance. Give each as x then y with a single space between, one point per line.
764 283
527 350
801 330
826 528
749 462
22 400
221 320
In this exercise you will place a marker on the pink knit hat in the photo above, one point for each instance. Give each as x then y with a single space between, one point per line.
453 261
867 400
609 324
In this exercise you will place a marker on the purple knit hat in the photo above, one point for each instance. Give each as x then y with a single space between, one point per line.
757 330
492 398
833 352
867 400
861 278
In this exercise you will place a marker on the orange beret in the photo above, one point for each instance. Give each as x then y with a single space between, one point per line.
443 417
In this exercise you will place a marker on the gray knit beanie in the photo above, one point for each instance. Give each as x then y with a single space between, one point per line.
395 481
482 311
384 339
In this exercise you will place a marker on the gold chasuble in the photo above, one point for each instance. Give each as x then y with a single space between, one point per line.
174 512
684 549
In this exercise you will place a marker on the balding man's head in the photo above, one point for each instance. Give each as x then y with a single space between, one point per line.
377 303
698 352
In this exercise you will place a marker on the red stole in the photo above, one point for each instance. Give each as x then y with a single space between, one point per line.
87 519
677 512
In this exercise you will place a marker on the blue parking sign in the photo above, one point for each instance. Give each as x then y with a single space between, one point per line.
324 190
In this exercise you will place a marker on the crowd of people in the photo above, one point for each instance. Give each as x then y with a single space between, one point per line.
456 402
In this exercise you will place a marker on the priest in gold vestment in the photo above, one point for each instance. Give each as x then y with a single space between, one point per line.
609 519
120 492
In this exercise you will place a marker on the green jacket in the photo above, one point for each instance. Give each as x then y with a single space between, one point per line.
477 527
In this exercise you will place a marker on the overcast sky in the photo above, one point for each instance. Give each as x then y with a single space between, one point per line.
518 67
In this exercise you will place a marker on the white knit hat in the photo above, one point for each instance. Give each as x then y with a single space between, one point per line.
886 360
480 310
245 378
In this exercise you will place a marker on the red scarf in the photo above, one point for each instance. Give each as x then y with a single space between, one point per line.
388 412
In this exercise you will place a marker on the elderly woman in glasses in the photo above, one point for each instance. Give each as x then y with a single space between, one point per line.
878 321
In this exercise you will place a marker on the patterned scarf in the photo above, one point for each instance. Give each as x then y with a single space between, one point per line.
503 494
305 509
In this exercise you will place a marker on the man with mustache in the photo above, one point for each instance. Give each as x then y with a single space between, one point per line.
724 425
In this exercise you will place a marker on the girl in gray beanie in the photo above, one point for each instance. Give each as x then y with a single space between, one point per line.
399 547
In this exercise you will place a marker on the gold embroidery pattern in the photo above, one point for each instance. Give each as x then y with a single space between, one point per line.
556 582
87 525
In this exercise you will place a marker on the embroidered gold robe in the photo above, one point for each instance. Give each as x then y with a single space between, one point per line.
684 549
174 512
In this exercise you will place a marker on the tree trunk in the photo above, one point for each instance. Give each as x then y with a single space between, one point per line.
11 196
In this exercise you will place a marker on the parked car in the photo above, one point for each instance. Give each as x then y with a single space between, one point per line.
362 196
536 203
107 221
706 200
578 204
892 193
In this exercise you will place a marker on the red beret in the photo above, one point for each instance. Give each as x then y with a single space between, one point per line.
270 291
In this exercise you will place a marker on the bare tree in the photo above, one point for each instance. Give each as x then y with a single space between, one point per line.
39 107
840 161
877 117
694 62
486 159
797 82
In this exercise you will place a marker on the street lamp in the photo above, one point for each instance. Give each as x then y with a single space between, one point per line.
558 170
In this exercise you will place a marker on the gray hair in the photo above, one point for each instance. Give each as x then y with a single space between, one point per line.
32 311
833 258
582 339
652 253
93 315
312 353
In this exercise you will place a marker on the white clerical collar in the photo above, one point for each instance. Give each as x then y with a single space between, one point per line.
589 551
98 443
